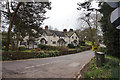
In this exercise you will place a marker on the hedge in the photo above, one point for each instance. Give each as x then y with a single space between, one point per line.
46 47
42 54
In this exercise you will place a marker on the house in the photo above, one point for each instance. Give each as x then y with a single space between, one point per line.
52 38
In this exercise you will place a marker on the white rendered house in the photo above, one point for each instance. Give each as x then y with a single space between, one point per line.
52 38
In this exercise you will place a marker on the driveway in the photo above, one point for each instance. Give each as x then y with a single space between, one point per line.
54 67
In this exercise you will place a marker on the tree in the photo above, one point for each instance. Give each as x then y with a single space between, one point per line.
9 37
110 33
91 17
85 34
31 22
28 17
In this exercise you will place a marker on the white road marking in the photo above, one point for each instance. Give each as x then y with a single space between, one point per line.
42 64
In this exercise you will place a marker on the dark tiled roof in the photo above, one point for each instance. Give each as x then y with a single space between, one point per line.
47 32
58 33
69 34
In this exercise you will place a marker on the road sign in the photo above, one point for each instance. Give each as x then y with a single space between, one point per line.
115 18
95 48
113 4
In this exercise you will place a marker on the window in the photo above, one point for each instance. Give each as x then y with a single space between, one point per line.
54 42
35 43
46 42
44 34
65 36
73 37
65 42
76 37
54 35
22 43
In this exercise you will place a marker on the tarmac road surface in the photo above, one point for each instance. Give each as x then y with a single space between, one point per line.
53 67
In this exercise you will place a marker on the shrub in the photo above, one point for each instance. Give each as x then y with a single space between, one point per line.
82 43
50 48
6 58
22 48
53 53
78 46
18 55
71 46
102 49
40 54
4 42
62 48
41 46
46 47
37 49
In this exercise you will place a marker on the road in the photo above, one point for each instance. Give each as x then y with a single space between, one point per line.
54 67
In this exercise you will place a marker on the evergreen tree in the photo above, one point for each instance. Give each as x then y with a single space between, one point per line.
110 33
27 19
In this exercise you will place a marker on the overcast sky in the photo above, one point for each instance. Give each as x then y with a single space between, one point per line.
64 14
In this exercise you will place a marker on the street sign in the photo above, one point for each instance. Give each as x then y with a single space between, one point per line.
113 4
115 18
95 48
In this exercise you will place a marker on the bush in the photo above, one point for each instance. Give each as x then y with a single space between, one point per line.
4 42
50 48
82 43
18 55
40 54
37 49
71 46
22 48
62 48
102 49
46 47
41 46
53 53
78 46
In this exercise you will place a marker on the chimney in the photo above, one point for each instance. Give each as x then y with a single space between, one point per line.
46 27
65 30
71 30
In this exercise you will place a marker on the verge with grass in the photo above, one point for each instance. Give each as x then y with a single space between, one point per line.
109 70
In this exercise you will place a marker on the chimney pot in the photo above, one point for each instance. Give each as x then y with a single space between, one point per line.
65 30
71 30
46 27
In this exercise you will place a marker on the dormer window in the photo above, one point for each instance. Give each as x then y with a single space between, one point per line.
54 35
65 36
44 34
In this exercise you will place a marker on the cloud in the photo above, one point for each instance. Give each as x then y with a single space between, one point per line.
64 14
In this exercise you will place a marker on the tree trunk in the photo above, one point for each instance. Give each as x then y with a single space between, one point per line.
9 37
18 36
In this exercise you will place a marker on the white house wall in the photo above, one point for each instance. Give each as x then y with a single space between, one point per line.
72 39
50 40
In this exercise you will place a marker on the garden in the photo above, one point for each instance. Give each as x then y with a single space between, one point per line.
109 70
43 51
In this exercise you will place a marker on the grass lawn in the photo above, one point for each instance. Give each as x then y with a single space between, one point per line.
109 70
71 49
88 43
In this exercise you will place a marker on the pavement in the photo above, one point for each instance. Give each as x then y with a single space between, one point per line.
65 66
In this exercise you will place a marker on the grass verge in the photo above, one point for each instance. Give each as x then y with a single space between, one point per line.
109 70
